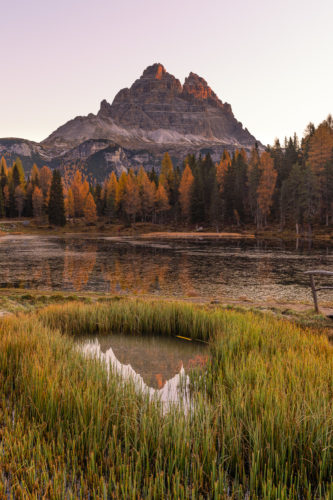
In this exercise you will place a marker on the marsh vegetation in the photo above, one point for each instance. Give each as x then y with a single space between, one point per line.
262 424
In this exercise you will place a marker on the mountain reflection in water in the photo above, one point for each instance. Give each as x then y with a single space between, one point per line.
242 269
157 365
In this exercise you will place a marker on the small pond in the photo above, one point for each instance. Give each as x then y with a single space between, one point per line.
158 366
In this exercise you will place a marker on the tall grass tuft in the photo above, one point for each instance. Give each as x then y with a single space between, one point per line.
262 425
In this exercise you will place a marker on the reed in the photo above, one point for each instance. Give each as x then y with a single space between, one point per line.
262 424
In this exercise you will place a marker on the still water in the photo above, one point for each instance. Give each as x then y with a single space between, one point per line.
224 269
158 366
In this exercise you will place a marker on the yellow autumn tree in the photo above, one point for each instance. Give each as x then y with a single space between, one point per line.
80 190
131 197
69 204
161 201
185 192
37 202
167 175
221 170
89 210
320 148
147 190
34 175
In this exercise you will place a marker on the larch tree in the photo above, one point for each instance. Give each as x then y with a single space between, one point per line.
34 176
56 208
80 189
167 175
161 201
131 198
90 211
37 202
148 195
69 204
3 173
185 192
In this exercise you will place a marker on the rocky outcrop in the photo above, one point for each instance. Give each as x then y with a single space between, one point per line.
156 114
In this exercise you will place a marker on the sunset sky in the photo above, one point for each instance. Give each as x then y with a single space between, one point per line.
272 61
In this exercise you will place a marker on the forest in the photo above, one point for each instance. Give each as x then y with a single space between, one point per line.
282 186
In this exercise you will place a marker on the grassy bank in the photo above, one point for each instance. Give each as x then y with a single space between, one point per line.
262 425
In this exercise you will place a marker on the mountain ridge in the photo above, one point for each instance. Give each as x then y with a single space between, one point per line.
155 114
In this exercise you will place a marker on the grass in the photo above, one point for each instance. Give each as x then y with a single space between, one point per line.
262 424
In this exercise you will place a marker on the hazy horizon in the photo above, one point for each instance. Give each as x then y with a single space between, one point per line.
269 61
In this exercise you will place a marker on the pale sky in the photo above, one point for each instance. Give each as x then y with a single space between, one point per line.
271 60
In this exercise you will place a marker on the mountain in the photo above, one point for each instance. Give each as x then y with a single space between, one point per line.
156 114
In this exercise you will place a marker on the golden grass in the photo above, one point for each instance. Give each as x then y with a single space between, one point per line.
262 424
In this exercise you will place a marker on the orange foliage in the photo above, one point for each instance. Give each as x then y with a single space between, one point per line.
90 212
321 148
185 191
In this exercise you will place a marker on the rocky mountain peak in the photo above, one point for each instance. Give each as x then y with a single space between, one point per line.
156 71
196 87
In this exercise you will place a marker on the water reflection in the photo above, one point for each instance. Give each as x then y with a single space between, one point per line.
157 365
250 269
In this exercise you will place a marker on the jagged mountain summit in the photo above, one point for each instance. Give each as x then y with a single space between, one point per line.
156 114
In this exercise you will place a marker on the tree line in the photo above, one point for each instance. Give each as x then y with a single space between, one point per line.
286 185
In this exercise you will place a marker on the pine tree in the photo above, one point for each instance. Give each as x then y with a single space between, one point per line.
56 209
110 195
266 187
3 173
45 179
19 200
2 205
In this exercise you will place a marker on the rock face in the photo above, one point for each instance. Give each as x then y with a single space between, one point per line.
156 114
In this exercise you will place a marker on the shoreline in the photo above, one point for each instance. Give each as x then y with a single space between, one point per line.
157 231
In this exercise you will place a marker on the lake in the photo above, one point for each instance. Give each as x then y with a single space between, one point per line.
255 270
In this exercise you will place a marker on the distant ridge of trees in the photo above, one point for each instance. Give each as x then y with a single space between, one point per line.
289 185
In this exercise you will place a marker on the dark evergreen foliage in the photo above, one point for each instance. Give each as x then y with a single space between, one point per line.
56 210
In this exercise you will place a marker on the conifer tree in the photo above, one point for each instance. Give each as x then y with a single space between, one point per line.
37 202
19 200
90 212
2 205
56 209
266 187
3 173
69 204
110 196
185 193
131 197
